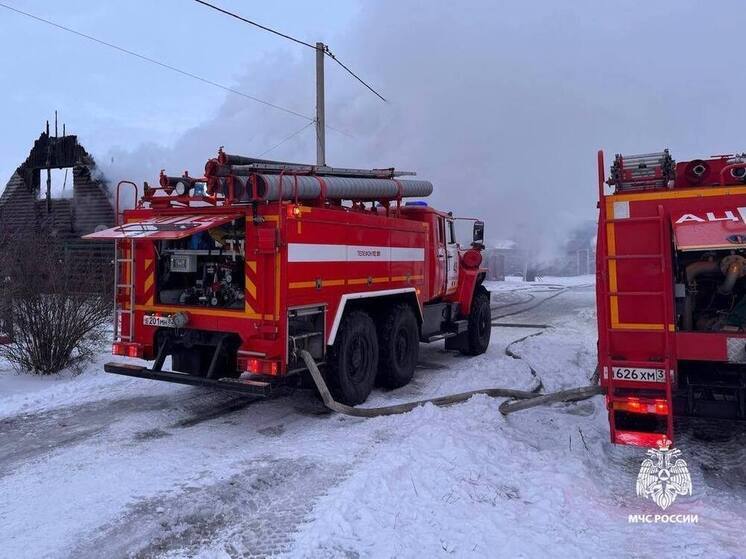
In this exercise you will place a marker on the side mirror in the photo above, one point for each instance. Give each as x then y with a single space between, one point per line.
478 236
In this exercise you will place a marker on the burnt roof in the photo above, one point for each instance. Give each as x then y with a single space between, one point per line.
21 206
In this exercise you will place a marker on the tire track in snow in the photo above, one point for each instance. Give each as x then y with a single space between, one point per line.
253 512
28 437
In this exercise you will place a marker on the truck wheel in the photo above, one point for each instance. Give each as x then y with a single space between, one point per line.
399 347
480 323
353 359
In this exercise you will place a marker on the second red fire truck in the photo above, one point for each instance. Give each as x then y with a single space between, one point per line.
233 273
671 294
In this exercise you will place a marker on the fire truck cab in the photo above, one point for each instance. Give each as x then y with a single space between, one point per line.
671 298
232 273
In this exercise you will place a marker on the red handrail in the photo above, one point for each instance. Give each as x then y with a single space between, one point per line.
137 195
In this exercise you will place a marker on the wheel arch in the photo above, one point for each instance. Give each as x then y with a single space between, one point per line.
470 282
371 302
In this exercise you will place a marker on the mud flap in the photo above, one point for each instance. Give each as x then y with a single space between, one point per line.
459 342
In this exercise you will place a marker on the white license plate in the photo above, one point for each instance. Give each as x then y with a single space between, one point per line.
638 374
159 321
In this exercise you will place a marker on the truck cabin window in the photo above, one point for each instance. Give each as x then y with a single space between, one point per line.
206 269
451 232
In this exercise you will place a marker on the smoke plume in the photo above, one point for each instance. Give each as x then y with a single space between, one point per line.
502 105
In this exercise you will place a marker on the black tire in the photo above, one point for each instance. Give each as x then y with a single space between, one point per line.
480 323
398 347
353 360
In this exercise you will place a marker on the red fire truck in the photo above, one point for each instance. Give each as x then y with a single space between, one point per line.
671 298
232 273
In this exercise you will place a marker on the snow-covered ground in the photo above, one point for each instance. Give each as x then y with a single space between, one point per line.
106 466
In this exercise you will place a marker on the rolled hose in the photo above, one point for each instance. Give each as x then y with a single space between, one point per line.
523 396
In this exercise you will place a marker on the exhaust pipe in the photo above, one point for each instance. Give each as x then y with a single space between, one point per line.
733 267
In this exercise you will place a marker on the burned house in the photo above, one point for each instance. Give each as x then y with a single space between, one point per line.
55 196
56 191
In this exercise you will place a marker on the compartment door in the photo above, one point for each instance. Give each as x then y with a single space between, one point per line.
718 228
162 228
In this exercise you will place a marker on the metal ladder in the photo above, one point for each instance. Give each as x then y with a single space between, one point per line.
124 289
124 268
666 297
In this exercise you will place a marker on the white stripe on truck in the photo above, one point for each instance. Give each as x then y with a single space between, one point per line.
312 252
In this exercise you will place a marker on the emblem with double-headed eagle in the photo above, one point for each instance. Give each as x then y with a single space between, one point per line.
663 476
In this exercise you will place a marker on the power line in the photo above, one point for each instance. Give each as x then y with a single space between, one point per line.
354 75
290 137
255 24
163 65
327 52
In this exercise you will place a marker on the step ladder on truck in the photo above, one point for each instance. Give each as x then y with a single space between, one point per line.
124 283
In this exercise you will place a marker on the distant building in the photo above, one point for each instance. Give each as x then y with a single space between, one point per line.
504 258
578 254
581 258
495 264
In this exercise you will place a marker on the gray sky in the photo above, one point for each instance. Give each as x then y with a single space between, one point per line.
501 104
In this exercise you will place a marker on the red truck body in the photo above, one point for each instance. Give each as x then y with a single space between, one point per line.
670 245
295 268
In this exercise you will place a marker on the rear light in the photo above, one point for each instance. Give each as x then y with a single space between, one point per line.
634 405
259 366
661 407
126 349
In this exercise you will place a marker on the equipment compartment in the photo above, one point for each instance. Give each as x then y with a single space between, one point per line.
710 295
205 269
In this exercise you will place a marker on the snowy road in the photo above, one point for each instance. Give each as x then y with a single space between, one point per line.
106 466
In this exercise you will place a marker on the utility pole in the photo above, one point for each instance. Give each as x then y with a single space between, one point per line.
49 171
320 127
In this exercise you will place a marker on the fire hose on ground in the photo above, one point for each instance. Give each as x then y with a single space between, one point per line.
568 395
517 400
520 399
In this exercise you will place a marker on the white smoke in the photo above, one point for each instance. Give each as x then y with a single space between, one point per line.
503 109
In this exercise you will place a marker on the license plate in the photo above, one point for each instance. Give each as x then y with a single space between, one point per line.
159 321
638 374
